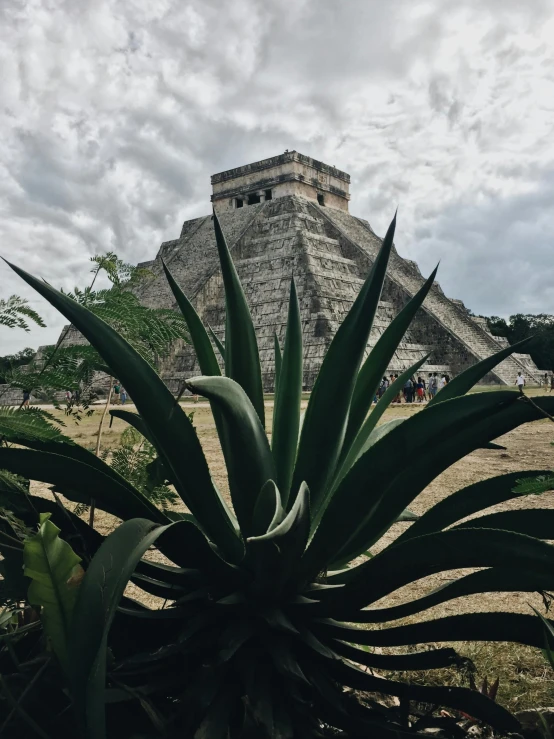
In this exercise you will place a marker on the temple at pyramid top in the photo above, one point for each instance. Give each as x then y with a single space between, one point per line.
290 173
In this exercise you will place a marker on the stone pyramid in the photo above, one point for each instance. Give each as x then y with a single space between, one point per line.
288 216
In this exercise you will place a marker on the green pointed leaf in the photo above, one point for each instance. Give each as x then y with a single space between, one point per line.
461 384
55 572
549 638
416 558
245 446
277 552
174 436
492 580
217 341
377 363
469 500
288 396
81 482
381 489
198 334
325 422
470 701
358 446
278 361
134 420
268 512
367 437
537 522
498 627
242 359
431 660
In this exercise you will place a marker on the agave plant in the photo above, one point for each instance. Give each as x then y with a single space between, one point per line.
272 605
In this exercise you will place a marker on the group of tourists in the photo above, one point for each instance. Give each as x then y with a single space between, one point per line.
415 390
119 395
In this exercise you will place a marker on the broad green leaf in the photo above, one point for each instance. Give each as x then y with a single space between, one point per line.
174 436
461 384
200 340
288 396
55 572
242 359
377 363
99 595
245 446
326 416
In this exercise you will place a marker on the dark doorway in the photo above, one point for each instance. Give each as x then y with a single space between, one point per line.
253 199
268 195
240 203
320 199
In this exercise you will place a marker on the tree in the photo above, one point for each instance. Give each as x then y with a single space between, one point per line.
13 361
15 313
522 325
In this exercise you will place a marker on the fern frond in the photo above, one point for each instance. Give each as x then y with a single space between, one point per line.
29 424
541 484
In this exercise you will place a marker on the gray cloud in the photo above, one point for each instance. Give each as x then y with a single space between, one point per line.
114 115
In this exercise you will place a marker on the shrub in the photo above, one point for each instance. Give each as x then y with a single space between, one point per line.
271 608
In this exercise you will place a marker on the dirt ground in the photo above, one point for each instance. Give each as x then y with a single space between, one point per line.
526 680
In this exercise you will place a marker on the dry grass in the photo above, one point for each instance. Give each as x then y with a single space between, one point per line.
525 679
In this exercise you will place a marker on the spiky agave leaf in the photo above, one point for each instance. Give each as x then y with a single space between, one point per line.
258 637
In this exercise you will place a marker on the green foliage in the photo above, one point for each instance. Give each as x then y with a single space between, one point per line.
55 573
136 460
270 609
23 425
62 367
535 486
522 326
15 312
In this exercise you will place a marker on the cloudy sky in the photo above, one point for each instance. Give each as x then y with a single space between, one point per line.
114 114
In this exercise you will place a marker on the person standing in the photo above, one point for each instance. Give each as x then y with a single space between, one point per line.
116 392
442 382
419 390
123 395
409 391
68 396
26 398
432 385
520 382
